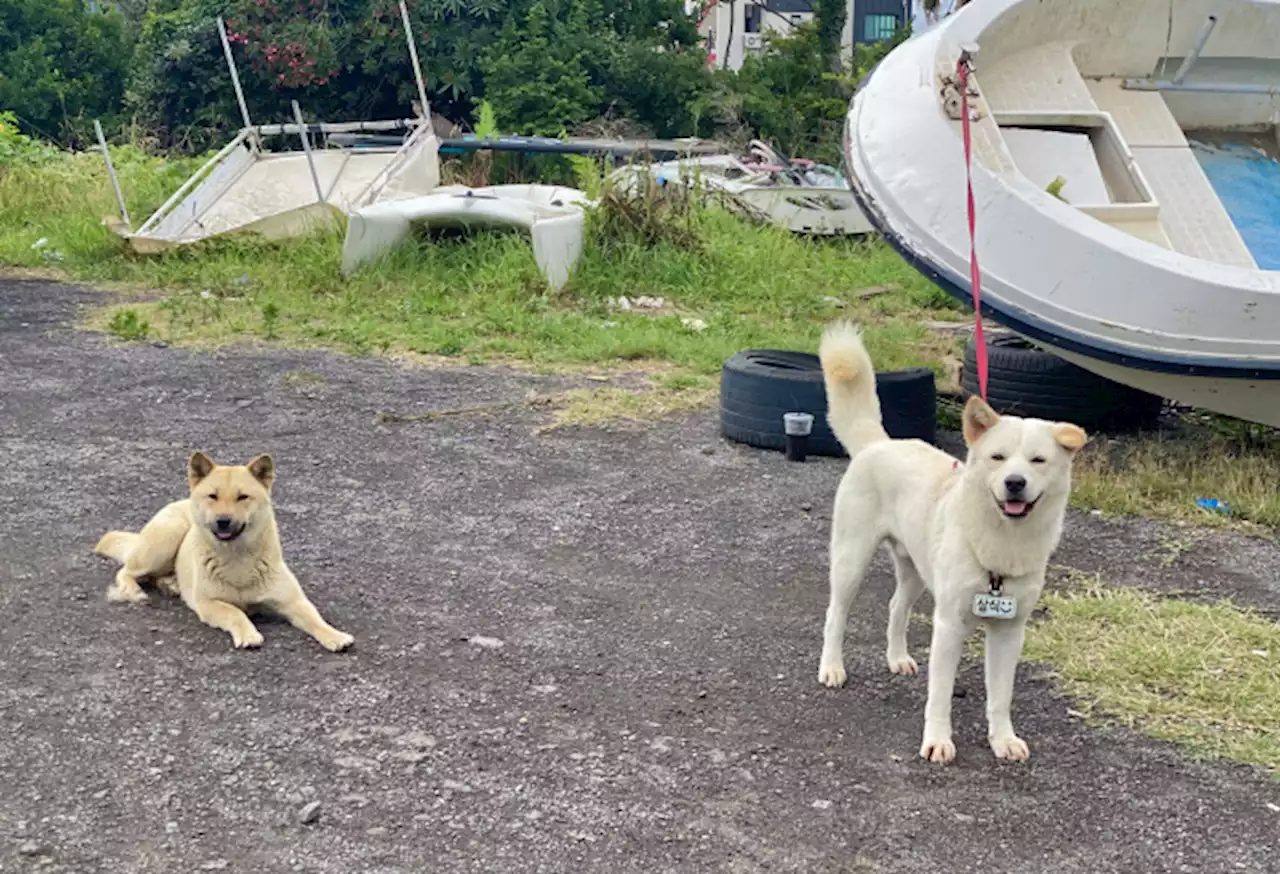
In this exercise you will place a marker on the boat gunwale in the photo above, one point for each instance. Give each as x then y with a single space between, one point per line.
1022 321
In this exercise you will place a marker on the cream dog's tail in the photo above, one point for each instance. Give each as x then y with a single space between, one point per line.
117 545
853 409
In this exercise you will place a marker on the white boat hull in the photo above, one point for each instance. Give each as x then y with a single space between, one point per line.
801 209
244 189
552 215
1153 288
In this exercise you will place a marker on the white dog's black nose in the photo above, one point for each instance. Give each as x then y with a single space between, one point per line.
1014 484
223 523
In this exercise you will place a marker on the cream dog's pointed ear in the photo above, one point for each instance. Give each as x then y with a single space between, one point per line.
1070 437
978 419
199 466
263 470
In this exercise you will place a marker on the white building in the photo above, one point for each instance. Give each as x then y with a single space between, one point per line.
735 29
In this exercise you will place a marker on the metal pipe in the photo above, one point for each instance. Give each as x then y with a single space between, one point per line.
331 127
370 192
235 77
111 174
306 147
1185 67
1203 87
195 177
417 68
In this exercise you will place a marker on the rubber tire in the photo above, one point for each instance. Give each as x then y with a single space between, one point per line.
1023 380
757 386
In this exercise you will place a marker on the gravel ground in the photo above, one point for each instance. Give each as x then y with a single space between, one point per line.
582 650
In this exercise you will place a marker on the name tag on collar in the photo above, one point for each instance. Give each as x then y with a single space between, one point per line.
989 606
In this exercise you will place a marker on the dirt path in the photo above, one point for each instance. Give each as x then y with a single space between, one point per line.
652 705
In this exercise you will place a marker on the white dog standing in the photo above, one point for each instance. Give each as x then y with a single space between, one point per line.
978 536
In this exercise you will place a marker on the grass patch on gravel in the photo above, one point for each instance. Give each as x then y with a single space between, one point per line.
1161 476
1206 676
669 396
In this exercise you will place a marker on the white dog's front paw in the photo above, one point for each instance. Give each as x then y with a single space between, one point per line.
118 595
1010 748
938 749
831 674
167 584
249 639
903 664
337 641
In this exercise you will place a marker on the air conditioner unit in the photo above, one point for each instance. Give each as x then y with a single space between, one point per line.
752 40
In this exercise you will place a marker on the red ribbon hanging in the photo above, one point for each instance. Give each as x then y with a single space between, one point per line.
975 276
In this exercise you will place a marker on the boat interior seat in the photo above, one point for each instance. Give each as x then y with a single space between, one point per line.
1040 79
1043 79
1188 216
1191 215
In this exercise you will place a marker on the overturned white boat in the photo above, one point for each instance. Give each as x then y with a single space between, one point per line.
1125 179
801 196
246 187
553 216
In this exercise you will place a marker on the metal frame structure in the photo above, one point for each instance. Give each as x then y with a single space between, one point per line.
216 177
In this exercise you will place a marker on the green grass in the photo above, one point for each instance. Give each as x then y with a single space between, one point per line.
1206 676
478 298
1161 476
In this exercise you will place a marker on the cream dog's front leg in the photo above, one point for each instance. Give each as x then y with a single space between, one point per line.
949 634
230 619
1004 649
292 604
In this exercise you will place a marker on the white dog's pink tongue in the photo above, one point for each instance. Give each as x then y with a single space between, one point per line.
1015 508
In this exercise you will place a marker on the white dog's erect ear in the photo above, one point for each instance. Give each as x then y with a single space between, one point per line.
263 470
199 466
1070 437
979 418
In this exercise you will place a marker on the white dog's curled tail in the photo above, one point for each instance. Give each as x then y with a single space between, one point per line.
117 545
853 409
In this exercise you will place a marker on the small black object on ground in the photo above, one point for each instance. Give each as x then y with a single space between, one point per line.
797 427
758 387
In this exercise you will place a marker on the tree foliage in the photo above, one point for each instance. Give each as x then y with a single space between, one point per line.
60 64
545 65
790 95
829 17
536 72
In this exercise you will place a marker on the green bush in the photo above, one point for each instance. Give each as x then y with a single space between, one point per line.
19 150
545 65
61 65
791 97
535 74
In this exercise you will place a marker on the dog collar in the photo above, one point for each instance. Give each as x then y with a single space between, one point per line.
995 581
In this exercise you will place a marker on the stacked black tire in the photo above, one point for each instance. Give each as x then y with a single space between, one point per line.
758 386
1025 381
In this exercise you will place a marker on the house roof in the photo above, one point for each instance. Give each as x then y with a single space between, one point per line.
789 6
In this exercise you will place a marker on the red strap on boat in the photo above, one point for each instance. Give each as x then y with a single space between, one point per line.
975 276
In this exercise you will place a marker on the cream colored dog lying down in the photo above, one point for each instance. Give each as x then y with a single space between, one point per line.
978 536
220 551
